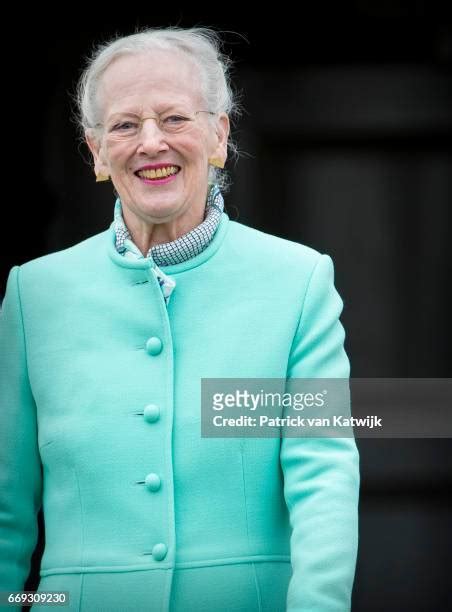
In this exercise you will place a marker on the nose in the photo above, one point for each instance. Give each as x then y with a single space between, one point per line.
151 139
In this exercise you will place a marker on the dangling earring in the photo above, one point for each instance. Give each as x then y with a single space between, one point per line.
216 161
102 177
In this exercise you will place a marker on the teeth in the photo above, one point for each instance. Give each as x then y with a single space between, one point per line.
159 173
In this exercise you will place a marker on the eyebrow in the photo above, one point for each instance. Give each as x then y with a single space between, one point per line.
127 113
121 114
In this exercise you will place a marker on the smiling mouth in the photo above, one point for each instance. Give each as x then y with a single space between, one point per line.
160 173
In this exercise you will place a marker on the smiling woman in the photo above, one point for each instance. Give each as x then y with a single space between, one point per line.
149 106
107 345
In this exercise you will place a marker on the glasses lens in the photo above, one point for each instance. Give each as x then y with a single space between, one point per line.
174 122
123 129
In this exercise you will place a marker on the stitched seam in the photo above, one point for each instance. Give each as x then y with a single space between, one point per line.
183 565
82 525
245 500
22 325
258 591
302 308
19 299
82 580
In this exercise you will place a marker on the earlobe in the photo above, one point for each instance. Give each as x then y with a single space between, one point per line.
100 169
92 143
219 156
223 128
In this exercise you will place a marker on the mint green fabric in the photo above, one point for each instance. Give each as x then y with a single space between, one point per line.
247 524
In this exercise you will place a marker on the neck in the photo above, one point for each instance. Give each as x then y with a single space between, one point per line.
146 234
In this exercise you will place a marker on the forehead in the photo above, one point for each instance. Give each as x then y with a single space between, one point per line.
152 80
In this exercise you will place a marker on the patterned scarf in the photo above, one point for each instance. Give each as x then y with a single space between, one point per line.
177 251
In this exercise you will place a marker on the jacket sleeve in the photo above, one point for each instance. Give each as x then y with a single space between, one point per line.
321 475
20 467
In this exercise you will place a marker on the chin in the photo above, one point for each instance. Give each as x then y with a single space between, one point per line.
160 212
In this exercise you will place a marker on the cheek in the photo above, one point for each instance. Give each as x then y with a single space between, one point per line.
195 149
116 157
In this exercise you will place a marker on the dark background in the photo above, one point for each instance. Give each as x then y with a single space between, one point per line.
347 148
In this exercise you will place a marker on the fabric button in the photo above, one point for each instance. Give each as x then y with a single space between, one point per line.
154 346
151 413
159 551
153 482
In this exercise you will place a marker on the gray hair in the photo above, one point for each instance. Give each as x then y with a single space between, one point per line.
203 45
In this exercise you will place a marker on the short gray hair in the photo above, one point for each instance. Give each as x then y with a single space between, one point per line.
203 45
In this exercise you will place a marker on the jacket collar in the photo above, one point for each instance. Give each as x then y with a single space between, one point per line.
147 263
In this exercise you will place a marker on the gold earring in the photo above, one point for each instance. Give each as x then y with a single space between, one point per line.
216 161
101 177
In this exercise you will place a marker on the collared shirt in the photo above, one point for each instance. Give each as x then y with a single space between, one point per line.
169 253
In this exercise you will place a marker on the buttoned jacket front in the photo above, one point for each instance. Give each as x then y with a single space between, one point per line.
101 386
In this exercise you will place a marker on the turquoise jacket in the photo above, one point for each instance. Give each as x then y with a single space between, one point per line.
100 422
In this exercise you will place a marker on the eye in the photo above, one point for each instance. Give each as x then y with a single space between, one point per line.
175 119
123 126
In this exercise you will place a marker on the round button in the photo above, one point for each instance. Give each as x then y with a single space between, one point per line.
153 482
151 413
154 346
159 551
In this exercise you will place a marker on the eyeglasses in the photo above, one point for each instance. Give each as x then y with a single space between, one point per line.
128 127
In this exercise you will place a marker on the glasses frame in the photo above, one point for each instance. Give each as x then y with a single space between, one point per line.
157 118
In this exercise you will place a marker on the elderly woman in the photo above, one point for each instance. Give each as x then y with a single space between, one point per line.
104 346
